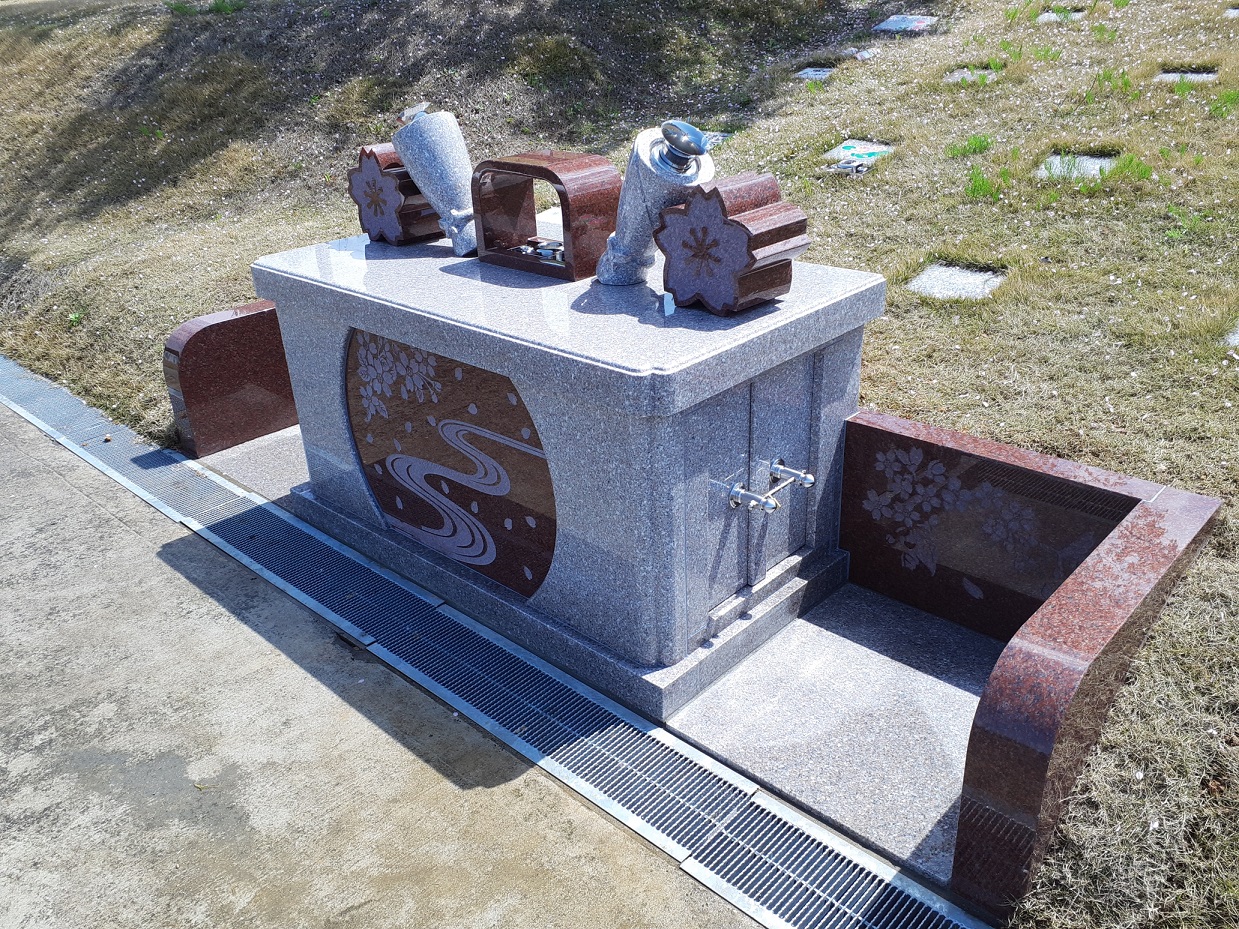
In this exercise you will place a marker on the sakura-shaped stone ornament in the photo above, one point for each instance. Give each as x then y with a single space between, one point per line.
389 205
731 245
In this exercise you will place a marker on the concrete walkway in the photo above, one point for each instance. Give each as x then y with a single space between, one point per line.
183 745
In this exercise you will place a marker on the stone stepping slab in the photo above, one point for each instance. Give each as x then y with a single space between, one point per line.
1066 16
1075 167
905 24
951 282
1194 77
815 74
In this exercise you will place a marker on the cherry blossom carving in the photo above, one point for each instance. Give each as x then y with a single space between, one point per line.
731 245
418 370
918 491
389 205
376 367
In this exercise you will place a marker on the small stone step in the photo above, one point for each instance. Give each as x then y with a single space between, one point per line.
950 282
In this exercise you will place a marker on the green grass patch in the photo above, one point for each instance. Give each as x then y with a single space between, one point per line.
555 59
974 145
981 186
218 7
1029 9
1108 82
1127 167
1188 225
1012 50
1224 104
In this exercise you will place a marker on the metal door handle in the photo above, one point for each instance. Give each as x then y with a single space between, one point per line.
781 476
739 495
780 472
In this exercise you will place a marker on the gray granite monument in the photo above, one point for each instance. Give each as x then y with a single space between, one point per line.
607 479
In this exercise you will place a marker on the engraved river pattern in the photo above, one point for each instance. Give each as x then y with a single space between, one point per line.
453 458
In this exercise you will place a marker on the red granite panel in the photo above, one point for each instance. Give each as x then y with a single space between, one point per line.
730 246
1020 457
990 854
453 458
390 206
1033 728
965 530
228 379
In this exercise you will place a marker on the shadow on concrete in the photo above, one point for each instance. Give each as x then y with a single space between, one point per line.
411 716
928 644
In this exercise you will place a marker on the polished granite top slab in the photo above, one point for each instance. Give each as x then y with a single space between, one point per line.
860 711
632 343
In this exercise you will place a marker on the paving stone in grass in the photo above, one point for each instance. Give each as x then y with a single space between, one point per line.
715 139
971 76
1193 77
913 24
858 148
1075 167
815 74
950 282
1066 16
861 54
1233 338
1232 13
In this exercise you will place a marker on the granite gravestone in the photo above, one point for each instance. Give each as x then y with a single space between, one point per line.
557 459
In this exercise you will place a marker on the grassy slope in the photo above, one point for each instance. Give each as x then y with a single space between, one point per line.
149 157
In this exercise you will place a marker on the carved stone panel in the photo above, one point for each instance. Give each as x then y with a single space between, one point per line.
453 458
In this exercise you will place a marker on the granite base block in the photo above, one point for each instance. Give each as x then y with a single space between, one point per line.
753 616
647 418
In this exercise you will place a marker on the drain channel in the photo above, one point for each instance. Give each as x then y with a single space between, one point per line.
766 858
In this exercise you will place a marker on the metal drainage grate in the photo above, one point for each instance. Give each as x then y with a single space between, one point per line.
767 859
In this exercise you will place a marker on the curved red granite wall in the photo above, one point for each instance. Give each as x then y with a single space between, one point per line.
228 379
1046 699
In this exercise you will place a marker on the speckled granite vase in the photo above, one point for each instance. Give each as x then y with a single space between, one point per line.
651 184
433 151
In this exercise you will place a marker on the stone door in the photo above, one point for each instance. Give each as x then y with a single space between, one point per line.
736 437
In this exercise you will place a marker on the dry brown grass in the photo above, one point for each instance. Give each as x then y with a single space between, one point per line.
150 157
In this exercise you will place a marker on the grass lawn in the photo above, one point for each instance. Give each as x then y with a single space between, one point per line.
150 152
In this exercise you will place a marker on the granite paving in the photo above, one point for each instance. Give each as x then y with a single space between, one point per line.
1192 77
860 711
1067 165
1070 16
268 465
